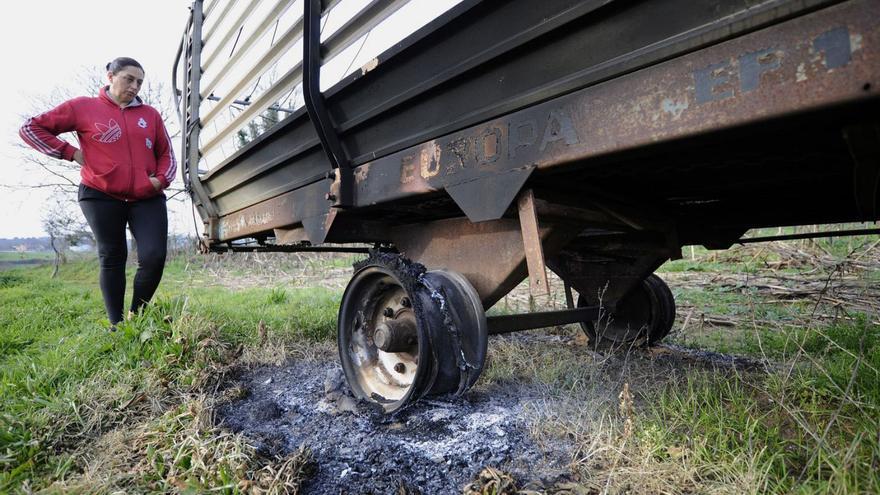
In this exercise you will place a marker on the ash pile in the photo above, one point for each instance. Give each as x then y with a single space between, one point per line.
433 446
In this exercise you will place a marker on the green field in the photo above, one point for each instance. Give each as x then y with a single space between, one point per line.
83 410
6 256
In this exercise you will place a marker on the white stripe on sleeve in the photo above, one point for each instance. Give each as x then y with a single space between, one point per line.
172 167
35 141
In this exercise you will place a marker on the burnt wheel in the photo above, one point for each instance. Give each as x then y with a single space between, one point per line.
404 333
643 317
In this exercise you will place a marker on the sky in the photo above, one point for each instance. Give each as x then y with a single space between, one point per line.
47 43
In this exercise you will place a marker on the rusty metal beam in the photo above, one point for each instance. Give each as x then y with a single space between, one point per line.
515 323
531 237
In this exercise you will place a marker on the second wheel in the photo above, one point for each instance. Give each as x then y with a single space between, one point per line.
643 317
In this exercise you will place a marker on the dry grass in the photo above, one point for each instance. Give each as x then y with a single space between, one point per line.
801 414
165 438
182 451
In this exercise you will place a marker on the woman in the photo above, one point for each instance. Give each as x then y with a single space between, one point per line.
126 162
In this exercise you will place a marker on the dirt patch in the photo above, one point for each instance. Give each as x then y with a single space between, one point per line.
435 446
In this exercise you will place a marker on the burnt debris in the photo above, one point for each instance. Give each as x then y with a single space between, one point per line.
431 447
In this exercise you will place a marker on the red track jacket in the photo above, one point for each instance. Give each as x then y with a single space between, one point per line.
122 147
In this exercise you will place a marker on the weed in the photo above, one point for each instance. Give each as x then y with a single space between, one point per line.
9 280
277 296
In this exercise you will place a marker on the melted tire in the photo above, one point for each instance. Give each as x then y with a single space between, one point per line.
448 349
464 321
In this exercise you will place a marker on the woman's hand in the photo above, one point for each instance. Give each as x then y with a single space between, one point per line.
156 183
78 158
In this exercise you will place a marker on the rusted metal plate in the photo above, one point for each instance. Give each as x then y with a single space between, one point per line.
306 205
829 57
271 214
489 254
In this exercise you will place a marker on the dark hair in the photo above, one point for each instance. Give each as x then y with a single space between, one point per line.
120 63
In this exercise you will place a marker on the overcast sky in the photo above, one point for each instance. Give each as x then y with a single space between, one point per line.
46 43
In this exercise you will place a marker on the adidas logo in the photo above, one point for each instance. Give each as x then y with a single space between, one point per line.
109 133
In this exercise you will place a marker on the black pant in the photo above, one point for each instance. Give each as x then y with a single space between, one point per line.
148 221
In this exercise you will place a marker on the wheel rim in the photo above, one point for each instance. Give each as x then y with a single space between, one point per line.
389 378
404 333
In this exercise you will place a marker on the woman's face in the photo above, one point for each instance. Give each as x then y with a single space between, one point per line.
125 84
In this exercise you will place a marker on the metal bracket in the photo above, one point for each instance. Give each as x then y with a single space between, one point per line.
528 222
314 102
488 197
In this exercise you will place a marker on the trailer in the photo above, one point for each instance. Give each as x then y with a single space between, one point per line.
593 138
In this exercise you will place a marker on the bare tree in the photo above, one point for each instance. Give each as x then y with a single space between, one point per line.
66 229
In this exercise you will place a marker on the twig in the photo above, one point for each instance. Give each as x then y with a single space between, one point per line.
687 319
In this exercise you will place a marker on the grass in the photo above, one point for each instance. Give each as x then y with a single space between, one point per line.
807 423
83 410
71 392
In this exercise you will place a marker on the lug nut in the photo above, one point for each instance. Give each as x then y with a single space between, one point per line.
405 302
388 313
400 368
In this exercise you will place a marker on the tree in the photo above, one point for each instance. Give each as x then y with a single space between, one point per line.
260 124
65 228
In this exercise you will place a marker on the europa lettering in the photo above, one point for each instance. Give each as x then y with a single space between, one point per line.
488 145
